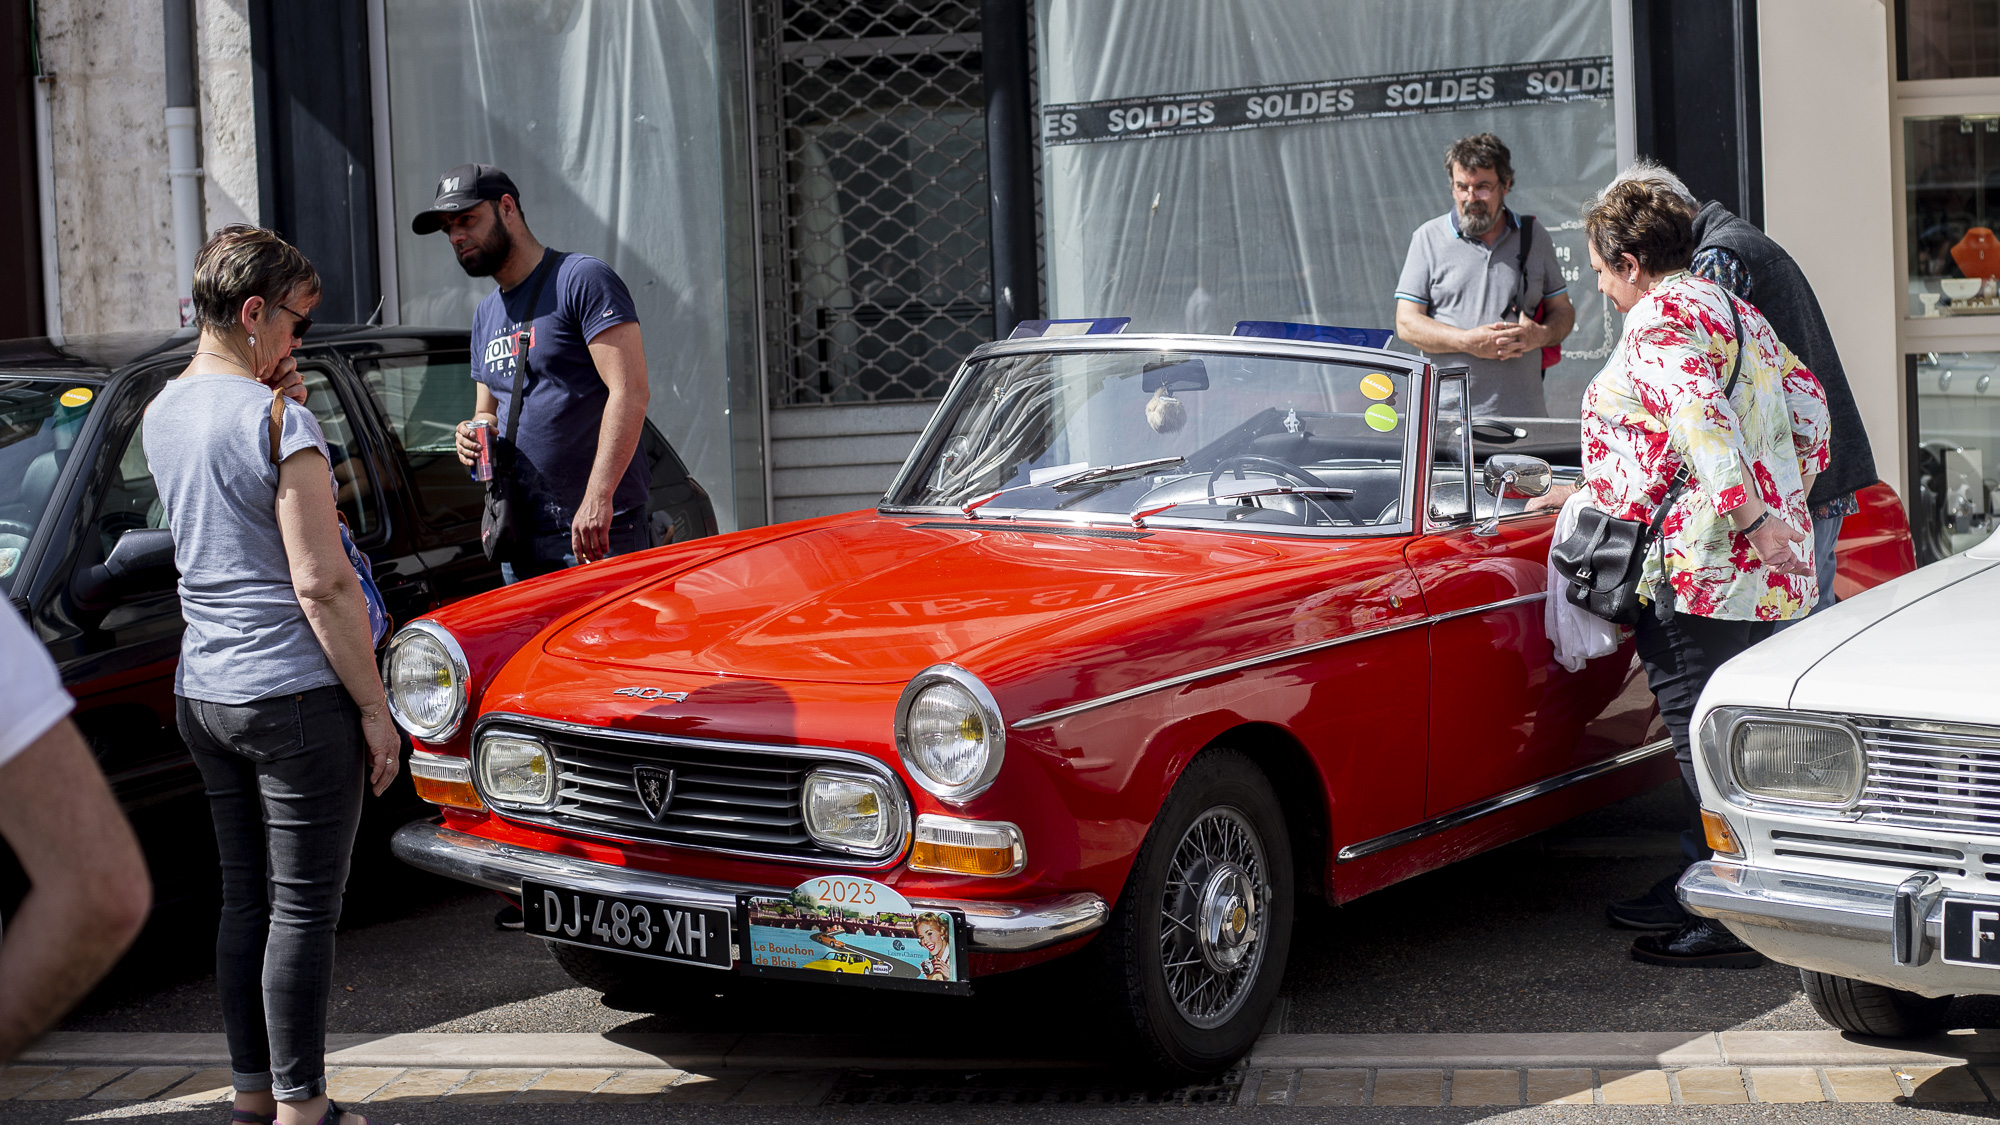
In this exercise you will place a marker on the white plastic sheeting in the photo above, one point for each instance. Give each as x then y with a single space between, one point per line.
1306 222
608 115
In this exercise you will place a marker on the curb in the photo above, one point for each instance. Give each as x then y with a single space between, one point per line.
763 1051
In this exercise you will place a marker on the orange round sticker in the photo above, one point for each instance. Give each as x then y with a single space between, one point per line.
75 396
1377 386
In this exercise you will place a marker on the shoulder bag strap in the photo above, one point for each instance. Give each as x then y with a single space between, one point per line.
524 345
1735 372
277 421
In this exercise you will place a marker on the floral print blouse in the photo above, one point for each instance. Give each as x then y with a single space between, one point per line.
1659 405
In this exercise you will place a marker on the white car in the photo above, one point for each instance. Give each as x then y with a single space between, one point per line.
1850 785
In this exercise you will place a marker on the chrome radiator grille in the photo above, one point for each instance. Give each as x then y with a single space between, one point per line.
1932 775
735 798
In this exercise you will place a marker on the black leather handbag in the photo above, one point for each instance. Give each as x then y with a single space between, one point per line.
1605 557
504 533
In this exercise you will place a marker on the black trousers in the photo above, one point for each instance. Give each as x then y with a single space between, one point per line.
1679 656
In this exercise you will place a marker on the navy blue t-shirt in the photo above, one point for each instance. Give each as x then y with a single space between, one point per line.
564 396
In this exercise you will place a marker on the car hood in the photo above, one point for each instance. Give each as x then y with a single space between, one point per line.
1934 655
879 599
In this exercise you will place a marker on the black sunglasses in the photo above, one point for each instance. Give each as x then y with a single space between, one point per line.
304 323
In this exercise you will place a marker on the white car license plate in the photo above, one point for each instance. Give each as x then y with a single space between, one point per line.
694 935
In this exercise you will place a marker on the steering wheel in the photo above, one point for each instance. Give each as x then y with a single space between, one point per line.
1272 465
16 527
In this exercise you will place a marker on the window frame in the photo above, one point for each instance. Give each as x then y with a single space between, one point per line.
360 366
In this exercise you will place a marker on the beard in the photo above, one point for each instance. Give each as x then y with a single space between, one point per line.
485 257
1476 219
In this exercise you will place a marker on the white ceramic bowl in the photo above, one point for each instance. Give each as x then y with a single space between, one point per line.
1960 288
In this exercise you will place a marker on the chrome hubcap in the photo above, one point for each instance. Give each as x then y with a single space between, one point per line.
1211 916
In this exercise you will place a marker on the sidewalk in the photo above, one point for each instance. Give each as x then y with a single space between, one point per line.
1734 1067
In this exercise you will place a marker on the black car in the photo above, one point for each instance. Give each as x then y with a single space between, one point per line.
74 481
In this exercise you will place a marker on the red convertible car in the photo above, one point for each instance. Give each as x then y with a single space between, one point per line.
1152 635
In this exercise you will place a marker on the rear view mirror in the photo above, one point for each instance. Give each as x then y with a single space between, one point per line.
141 562
1174 374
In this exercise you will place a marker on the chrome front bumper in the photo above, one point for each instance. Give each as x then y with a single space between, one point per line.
1845 927
995 927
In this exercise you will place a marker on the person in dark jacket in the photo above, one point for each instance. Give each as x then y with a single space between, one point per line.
1749 263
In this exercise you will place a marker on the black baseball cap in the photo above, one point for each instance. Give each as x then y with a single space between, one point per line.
461 188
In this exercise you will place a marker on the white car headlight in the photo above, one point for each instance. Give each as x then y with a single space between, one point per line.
515 769
427 681
852 812
1797 760
949 731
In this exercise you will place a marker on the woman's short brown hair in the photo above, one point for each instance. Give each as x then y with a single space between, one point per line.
1645 220
241 262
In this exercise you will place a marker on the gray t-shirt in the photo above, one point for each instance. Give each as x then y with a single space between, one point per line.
207 440
1465 283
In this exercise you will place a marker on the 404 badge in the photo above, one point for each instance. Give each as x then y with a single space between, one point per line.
856 931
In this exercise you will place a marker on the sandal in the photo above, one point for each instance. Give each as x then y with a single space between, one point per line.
247 1117
333 1113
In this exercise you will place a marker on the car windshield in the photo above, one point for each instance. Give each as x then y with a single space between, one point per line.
39 421
1189 437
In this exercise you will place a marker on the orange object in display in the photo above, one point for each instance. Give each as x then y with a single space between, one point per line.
1978 253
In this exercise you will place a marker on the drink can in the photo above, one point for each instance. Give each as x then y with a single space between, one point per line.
482 462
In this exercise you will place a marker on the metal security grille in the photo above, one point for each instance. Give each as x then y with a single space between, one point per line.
871 196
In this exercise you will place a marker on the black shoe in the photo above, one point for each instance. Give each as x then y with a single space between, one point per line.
1659 910
509 917
1701 944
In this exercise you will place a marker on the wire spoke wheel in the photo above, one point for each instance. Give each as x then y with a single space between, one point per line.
1213 913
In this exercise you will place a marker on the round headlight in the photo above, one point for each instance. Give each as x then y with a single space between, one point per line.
1816 763
950 732
427 681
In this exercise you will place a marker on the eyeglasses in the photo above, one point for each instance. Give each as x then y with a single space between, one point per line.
303 323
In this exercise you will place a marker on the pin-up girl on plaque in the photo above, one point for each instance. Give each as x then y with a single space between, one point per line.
935 935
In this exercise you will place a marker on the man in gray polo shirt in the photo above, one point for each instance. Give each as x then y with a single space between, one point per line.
1465 295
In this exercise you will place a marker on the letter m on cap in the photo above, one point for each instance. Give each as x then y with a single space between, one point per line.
449 183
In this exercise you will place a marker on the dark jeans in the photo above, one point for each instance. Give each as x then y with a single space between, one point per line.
1679 657
552 550
284 778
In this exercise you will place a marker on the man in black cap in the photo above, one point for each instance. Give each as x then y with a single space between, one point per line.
578 490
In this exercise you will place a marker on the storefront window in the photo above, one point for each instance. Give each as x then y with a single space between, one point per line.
1952 186
1947 39
1209 161
1955 499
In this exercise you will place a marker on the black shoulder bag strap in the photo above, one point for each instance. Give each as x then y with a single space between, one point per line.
1665 604
501 530
1527 229
522 346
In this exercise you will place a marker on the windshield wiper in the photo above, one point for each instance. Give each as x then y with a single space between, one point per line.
1139 515
1106 474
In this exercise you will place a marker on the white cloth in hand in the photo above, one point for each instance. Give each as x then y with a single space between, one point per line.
1577 634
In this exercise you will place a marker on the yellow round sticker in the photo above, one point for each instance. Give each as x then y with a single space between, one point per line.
1380 417
75 396
1377 386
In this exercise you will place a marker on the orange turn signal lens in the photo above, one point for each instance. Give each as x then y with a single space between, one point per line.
443 779
1721 837
967 847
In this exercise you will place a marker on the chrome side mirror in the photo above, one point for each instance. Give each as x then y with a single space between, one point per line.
1514 473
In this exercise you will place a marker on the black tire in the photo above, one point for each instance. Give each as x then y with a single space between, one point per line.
1872 1009
1212 1024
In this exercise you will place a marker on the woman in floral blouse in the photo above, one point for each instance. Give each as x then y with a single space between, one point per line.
1736 549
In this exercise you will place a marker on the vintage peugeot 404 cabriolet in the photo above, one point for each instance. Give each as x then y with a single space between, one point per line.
1152 635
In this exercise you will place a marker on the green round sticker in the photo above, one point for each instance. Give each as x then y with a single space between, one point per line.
1380 416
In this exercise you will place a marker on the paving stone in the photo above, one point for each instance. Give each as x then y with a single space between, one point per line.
1409 1087
15 1080
357 1083
1275 1088
493 1085
1486 1087
1328 1087
419 1084
1712 1085
1561 1087
1635 1087
76 1082
562 1086
785 1087
211 1085
635 1085
1783 1083
1863 1083
141 1083
1942 1084
705 1089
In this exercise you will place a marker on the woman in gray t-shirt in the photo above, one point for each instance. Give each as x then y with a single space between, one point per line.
278 697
